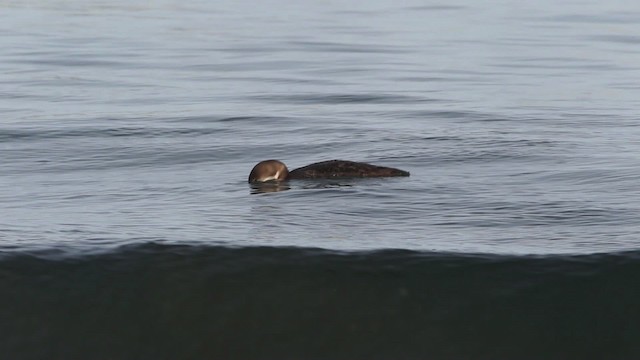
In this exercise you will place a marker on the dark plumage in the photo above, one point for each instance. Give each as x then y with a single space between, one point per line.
343 169
274 170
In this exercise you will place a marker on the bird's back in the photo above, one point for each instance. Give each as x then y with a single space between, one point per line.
343 169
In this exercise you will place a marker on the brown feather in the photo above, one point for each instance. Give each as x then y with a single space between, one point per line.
343 169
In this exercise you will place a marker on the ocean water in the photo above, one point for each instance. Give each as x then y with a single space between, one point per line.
128 229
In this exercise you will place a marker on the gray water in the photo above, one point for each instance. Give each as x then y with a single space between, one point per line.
132 122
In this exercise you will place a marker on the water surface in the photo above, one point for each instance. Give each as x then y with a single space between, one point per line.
128 130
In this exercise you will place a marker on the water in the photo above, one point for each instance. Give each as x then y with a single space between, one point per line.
175 301
128 130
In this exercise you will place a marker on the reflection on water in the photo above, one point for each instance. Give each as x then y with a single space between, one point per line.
269 187
275 186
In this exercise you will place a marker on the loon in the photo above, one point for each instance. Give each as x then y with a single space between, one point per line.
275 170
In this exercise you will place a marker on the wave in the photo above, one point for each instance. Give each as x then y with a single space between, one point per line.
173 301
136 132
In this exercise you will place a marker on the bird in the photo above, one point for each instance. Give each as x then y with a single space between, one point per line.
276 170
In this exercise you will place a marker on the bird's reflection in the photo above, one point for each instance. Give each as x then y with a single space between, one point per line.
268 187
275 186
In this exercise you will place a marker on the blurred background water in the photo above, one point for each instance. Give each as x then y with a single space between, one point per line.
125 122
129 123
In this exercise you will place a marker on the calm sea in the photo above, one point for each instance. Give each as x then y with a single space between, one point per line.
128 130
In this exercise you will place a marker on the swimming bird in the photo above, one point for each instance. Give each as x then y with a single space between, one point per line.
275 170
